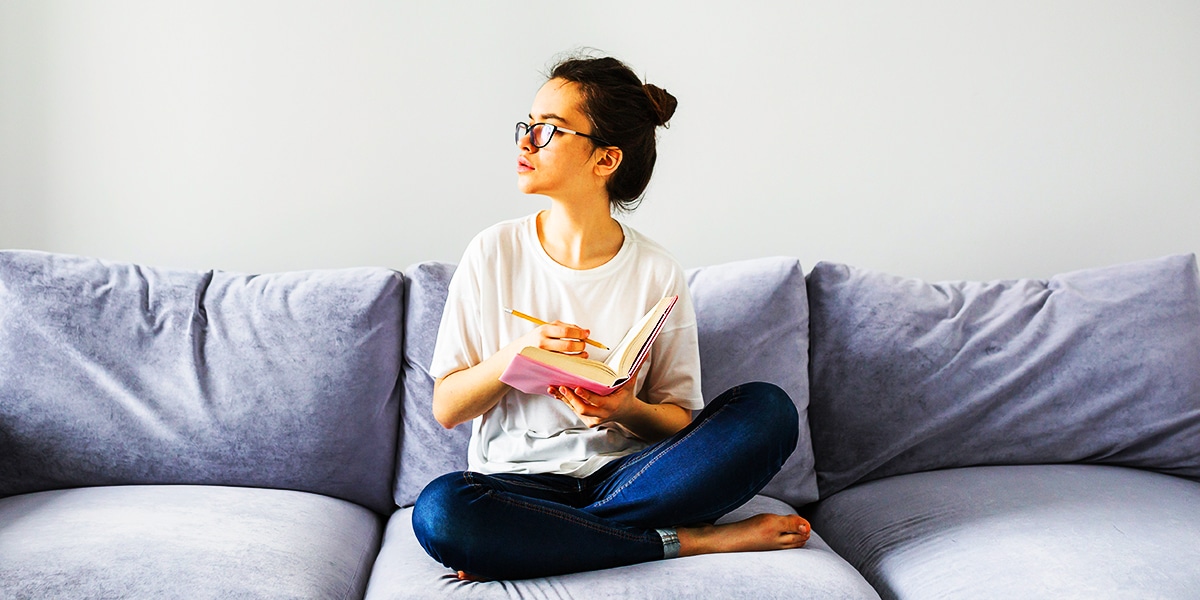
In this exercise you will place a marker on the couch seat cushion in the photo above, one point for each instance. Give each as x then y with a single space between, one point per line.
184 542
1034 531
403 570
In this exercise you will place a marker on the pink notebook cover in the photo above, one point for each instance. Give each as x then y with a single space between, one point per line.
534 377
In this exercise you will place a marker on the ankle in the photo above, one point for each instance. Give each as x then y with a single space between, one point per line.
697 540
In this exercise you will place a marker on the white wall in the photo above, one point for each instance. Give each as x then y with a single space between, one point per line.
934 139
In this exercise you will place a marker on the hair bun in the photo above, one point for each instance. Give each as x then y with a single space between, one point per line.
663 102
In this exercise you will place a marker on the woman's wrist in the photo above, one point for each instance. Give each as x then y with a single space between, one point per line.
654 422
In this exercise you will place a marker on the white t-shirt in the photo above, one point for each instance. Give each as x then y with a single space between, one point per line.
505 266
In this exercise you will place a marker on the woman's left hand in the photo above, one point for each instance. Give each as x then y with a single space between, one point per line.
650 422
595 409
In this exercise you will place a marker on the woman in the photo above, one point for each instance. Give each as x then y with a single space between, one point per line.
571 481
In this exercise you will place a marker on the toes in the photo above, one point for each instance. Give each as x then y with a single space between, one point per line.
799 532
799 524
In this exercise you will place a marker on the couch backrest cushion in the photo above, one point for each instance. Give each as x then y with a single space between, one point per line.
1097 366
752 318
752 321
121 374
427 449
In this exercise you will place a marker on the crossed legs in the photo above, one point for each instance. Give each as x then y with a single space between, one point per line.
522 526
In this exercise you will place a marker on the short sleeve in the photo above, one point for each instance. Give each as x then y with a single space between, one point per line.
458 343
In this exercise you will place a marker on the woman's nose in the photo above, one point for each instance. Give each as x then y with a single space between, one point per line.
525 142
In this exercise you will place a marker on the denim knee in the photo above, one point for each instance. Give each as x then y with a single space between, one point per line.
774 412
437 519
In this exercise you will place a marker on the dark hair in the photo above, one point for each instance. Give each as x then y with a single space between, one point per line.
623 112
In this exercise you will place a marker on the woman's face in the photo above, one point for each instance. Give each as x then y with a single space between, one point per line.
564 167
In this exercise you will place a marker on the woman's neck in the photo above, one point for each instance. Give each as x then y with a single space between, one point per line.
578 237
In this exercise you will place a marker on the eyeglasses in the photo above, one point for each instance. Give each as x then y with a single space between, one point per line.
540 134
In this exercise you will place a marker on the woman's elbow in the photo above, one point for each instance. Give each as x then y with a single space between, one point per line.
446 420
444 408
442 413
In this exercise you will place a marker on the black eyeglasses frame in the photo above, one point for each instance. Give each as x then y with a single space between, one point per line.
524 129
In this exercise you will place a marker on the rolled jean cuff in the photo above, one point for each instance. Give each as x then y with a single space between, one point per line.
670 540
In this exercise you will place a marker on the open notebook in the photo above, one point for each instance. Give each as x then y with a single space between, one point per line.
534 369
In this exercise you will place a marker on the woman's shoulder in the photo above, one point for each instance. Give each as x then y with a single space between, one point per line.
651 253
503 238
504 231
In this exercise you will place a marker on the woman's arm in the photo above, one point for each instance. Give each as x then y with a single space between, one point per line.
465 394
649 422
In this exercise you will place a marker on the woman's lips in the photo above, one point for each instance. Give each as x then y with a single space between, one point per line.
524 166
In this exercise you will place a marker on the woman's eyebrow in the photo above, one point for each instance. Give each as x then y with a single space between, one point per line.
548 117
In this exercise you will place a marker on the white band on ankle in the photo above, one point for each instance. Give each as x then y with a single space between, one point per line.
670 541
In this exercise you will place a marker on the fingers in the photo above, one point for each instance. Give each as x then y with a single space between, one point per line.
564 338
558 329
580 402
579 399
588 398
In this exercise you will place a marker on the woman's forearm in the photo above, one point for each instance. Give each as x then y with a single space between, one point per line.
466 394
654 422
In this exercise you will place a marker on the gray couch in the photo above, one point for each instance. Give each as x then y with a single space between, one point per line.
174 434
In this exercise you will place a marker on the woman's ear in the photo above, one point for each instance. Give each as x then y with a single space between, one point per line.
607 161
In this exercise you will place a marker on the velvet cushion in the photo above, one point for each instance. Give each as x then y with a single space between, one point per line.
167 541
752 321
1097 366
427 450
116 373
404 570
1026 531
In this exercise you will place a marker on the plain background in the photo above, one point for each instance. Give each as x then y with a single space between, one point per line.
935 139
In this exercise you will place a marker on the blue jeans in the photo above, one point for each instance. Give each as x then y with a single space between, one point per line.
522 526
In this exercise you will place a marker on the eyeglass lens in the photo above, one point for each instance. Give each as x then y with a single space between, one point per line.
542 134
539 134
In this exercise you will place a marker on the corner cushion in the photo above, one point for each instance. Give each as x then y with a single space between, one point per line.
116 373
1095 366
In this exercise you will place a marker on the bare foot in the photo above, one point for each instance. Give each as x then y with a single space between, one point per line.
760 532
465 576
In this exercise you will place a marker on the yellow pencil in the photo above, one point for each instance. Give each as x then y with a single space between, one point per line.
537 321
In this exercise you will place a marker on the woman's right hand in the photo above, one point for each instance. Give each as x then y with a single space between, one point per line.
560 337
463 395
